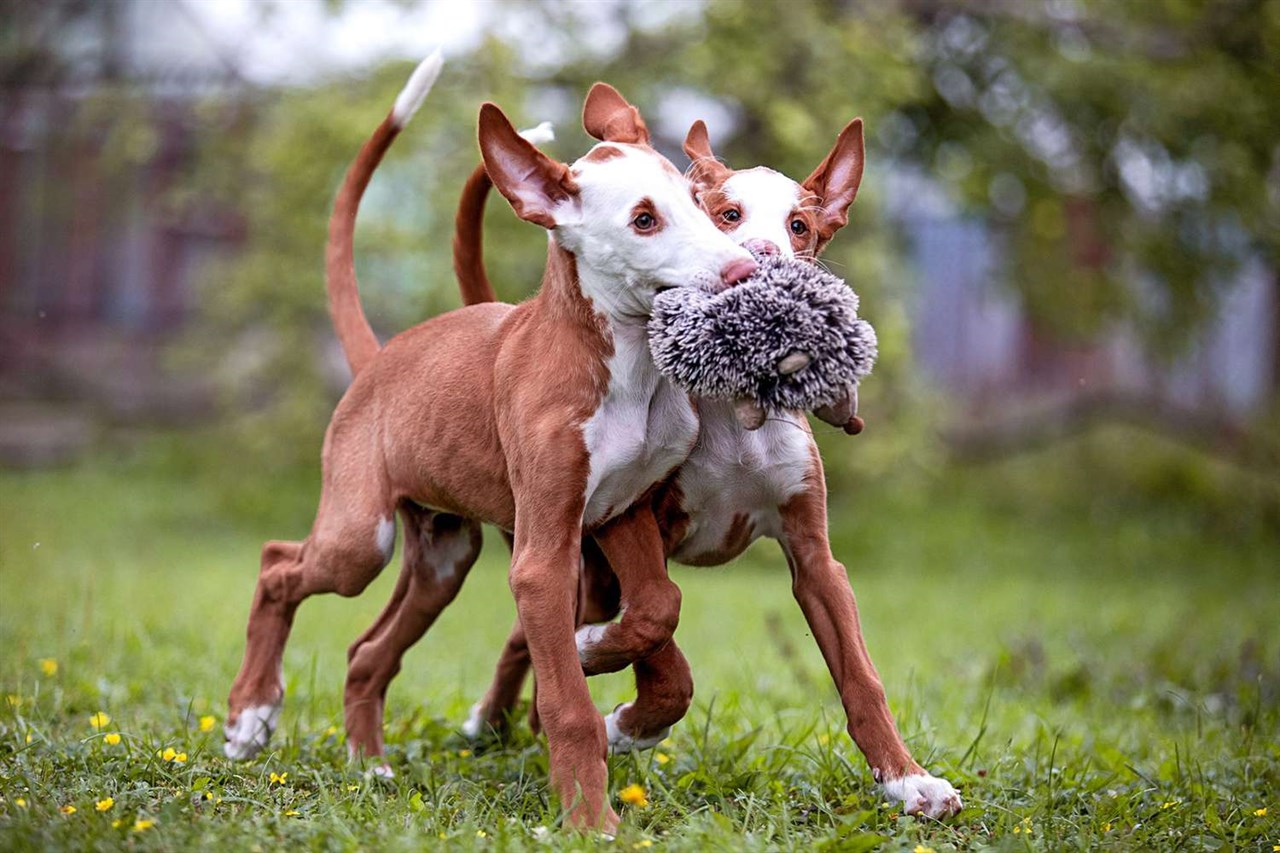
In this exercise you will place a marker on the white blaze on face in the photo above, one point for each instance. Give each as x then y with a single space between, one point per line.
767 199
621 269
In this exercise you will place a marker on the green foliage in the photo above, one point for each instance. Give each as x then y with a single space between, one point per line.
1094 682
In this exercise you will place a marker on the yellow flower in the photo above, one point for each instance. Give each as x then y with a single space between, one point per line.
292 813
1260 812
49 667
920 848
824 739
464 753
29 738
14 700
117 823
100 720
20 803
634 795
353 787
1170 804
181 758
167 754
142 824
480 833
278 778
111 739
208 722
68 809
104 805
643 843
331 731
661 757
1106 827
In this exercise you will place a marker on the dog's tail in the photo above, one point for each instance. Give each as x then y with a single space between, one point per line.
468 227
354 332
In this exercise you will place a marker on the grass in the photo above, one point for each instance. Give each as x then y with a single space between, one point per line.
1089 680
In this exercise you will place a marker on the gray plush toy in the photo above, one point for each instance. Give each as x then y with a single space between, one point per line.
787 338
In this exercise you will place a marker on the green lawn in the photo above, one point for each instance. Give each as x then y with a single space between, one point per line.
1104 679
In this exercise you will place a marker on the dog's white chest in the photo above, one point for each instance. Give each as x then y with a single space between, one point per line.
734 481
643 429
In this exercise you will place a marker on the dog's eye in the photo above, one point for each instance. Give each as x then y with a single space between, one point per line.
731 215
644 222
798 227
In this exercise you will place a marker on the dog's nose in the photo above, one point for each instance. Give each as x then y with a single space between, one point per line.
735 271
759 246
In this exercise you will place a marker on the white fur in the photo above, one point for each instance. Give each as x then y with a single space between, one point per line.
643 428
620 742
475 724
767 199
415 91
252 731
733 471
924 794
385 537
621 270
540 134
588 635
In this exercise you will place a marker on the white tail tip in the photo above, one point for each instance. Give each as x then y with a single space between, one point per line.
415 91
540 135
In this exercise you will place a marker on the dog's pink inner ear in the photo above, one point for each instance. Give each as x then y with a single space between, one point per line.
536 185
836 180
609 117
707 171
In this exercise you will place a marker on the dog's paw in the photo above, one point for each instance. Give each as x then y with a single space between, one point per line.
620 742
251 730
476 725
922 794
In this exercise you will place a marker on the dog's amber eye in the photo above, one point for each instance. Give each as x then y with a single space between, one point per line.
644 222
731 215
798 227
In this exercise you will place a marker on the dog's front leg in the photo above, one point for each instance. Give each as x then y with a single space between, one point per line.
544 582
633 546
821 586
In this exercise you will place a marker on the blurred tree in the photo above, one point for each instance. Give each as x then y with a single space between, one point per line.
1127 149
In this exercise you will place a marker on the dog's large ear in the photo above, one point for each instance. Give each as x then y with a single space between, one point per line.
609 117
835 182
706 171
540 190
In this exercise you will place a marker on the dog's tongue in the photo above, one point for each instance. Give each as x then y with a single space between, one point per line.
843 413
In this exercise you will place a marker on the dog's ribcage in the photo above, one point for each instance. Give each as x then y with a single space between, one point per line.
734 474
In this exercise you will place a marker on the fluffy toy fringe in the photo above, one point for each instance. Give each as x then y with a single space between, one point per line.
729 345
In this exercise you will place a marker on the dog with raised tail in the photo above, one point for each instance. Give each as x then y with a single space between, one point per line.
546 419
737 485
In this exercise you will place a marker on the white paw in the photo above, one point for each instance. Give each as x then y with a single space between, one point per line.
476 724
587 637
251 731
620 742
383 771
922 794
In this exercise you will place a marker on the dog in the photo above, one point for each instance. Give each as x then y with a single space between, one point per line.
737 485
545 419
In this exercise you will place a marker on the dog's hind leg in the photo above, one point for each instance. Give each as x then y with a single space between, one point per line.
351 541
439 551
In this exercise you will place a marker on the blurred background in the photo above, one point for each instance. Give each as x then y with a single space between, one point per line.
1068 237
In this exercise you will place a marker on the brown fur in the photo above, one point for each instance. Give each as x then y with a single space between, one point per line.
820 583
490 431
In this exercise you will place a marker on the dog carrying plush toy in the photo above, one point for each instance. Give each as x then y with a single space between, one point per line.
787 338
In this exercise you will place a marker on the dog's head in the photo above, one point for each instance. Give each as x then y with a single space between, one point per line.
767 211
623 210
